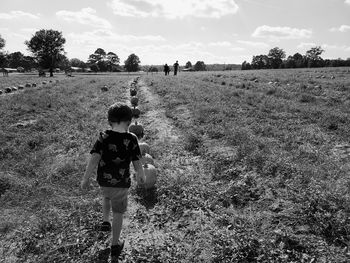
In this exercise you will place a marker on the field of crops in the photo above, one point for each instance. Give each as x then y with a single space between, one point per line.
253 167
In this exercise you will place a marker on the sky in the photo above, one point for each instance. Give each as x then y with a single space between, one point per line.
163 31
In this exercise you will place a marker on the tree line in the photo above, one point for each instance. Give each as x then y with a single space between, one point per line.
276 58
47 48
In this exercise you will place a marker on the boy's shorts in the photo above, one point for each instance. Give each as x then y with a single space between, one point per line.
118 197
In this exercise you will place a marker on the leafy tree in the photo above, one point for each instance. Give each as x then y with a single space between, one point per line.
112 61
289 63
47 45
94 68
2 42
63 62
15 59
100 52
299 60
28 63
97 56
260 62
314 57
314 53
104 61
132 63
200 66
75 62
276 55
3 59
188 64
102 65
246 66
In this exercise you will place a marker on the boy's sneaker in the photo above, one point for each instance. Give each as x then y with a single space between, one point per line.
105 227
116 250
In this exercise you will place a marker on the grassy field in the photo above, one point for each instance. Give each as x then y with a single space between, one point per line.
274 143
253 167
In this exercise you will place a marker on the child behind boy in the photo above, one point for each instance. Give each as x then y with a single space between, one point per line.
112 153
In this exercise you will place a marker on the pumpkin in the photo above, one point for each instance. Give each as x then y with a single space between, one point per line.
144 148
13 88
133 92
20 87
151 175
134 101
28 85
135 112
104 88
137 129
147 159
8 90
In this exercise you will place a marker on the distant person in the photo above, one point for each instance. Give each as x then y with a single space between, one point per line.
166 69
176 67
112 153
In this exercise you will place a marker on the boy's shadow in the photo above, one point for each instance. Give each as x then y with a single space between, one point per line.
147 197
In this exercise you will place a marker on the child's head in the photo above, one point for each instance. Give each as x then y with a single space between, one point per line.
119 114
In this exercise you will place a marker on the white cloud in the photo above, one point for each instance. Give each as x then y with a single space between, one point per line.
86 16
237 49
17 14
342 28
225 45
253 44
335 47
277 33
99 36
220 44
29 29
306 45
347 2
174 9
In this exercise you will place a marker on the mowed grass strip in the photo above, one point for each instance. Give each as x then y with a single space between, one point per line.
46 135
268 139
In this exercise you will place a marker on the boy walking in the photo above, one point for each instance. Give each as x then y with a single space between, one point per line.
112 153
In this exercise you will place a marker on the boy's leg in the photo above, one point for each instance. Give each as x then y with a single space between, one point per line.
106 208
116 227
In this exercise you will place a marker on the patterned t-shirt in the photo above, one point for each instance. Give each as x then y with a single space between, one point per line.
117 150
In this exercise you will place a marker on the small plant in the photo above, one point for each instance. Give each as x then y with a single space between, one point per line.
306 98
192 142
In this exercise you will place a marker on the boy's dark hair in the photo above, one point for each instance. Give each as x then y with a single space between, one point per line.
119 112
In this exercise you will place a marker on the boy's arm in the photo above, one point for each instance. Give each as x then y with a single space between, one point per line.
140 174
90 168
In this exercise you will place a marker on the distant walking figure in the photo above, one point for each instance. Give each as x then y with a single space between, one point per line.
5 72
176 67
166 69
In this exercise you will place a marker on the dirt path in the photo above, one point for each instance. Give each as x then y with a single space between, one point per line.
150 229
